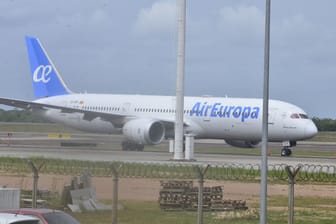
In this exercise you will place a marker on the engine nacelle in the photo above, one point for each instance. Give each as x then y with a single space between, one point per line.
243 143
144 131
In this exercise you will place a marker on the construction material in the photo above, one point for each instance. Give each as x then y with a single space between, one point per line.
182 195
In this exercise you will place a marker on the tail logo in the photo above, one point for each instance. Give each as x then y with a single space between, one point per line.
42 73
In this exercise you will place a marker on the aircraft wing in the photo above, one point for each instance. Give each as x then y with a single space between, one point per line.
116 119
15 103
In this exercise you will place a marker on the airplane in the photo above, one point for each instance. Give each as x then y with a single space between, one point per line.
149 119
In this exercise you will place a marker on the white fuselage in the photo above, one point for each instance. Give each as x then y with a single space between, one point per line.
204 117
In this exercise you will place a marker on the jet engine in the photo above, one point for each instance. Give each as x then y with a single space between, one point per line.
243 143
144 131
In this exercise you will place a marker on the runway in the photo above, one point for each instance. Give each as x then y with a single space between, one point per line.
107 148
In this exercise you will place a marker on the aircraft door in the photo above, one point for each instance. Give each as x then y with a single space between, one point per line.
272 116
126 107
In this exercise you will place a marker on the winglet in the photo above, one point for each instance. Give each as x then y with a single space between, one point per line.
46 80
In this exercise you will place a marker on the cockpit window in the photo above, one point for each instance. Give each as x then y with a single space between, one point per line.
304 116
297 116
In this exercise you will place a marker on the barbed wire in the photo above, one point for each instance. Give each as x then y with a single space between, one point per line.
232 171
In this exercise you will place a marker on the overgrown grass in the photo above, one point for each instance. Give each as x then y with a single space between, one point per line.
35 127
325 136
149 212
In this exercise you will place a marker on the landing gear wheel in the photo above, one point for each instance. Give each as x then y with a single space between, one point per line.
286 151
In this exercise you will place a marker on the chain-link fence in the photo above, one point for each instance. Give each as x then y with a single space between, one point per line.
234 171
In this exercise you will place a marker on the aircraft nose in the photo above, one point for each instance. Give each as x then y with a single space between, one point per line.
311 130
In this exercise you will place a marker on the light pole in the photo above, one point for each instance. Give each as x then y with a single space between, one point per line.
264 163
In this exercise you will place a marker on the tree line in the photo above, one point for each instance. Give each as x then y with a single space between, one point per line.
20 116
324 124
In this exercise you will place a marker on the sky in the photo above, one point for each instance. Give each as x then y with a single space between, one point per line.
130 47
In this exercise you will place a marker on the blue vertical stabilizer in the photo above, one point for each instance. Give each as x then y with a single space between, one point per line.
46 80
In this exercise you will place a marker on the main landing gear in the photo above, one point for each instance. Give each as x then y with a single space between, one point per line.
131 146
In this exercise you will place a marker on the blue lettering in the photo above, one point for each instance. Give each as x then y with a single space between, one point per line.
237 111
226 113
206 110
243 113
202 109
195 109
220 112
255 113
214 110
229 111
246 113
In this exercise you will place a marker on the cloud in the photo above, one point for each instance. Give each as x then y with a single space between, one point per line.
159 19
296 36
241 23
293 30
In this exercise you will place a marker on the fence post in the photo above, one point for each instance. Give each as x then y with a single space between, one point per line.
291 181
200 175
35 185
115 176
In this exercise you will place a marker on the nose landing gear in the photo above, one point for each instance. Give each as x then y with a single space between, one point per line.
286 151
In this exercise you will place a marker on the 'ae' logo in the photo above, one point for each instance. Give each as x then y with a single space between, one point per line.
42 73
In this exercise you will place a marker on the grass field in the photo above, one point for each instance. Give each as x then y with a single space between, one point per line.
327 136
308 210
35 127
